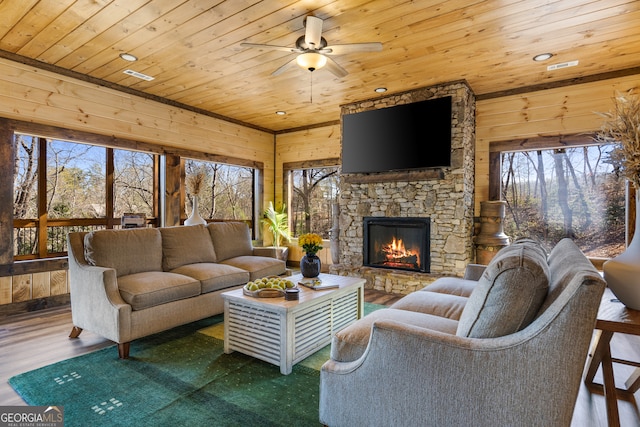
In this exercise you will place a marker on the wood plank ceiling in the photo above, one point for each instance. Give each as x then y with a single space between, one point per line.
192 48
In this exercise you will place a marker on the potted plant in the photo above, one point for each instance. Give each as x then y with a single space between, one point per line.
622 128
277 223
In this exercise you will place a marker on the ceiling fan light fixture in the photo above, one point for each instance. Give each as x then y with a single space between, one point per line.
311 61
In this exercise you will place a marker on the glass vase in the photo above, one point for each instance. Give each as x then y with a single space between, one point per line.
310 265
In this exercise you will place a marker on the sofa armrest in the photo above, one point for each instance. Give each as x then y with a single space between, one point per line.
96 304
474 271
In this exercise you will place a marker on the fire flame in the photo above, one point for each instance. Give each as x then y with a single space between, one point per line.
395 250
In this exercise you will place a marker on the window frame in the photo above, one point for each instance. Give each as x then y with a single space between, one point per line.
256 189
288 168
42 222
496 148
166 167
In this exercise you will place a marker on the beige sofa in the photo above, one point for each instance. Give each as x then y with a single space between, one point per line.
127 284
505 350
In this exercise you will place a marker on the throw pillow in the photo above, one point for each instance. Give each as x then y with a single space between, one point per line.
230 239
126 251
509 293
184 245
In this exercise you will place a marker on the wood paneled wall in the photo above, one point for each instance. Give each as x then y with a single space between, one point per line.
25 287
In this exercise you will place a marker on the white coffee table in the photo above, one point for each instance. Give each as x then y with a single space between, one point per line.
285 332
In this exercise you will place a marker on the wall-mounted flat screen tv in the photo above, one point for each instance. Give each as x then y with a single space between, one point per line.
402 137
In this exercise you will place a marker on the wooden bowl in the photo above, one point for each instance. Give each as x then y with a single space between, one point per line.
264 293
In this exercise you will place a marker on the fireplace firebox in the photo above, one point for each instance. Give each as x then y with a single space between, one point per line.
397 243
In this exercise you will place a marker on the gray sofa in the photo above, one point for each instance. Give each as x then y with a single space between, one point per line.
127 284
507 349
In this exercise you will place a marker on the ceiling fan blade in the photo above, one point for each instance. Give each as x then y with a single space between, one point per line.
341 49
284 68
271 47
336 69
313 33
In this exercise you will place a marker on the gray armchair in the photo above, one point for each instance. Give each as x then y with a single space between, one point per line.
412 375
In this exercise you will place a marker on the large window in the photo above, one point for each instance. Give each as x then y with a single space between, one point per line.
227 192
61 186
569 192
133 183
313 194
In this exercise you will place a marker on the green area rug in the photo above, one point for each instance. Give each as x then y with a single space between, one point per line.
180 377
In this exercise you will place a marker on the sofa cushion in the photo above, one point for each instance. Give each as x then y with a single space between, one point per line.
351 342
214 277
230 239
436 303
186 245
258 266
509 293
451 286
144 290
127 251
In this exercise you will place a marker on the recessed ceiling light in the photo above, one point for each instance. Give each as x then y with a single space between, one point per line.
281 113
542 57
128 57
380 89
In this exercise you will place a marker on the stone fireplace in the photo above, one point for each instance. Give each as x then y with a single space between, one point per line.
444 196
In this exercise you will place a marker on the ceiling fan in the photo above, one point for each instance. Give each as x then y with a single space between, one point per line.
312 50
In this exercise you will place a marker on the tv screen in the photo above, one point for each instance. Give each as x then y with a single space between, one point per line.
403 137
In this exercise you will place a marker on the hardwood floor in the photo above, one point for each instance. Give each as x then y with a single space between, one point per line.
29 341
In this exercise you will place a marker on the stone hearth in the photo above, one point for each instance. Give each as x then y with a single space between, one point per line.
444 194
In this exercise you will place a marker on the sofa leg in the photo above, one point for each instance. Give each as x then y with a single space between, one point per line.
123 350
75 332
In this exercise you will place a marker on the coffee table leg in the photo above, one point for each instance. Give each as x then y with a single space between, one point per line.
287 343
226 327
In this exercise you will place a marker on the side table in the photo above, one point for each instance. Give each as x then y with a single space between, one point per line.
613 317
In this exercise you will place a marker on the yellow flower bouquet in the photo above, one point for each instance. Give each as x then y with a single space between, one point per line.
310 243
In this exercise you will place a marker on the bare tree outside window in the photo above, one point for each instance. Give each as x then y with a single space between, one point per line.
133 183
314 193
75 180
61 186
25 177
569 192
227 192
25 191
